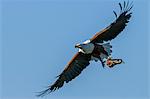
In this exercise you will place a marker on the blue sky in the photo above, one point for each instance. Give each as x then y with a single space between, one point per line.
38 38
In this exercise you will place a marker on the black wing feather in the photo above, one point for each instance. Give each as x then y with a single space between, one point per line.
72 70
115 14
116 27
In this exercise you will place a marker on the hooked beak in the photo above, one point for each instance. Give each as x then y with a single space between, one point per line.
78 46
123 62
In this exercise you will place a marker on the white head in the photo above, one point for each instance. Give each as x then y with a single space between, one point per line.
87 47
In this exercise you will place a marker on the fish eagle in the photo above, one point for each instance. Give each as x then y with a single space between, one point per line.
97 48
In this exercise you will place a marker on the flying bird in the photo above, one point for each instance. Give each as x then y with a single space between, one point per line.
97 48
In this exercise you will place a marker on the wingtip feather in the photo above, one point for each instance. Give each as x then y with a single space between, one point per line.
44 92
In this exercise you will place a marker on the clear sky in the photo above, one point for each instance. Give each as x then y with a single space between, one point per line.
38 38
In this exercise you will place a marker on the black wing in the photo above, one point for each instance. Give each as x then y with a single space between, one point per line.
117 26
72 70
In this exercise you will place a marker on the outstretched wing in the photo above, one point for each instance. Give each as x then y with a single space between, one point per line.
72 70
117 26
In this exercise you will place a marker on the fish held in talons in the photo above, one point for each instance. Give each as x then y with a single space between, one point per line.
110 62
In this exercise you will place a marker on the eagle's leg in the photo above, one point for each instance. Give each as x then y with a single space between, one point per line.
101 60
98 58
